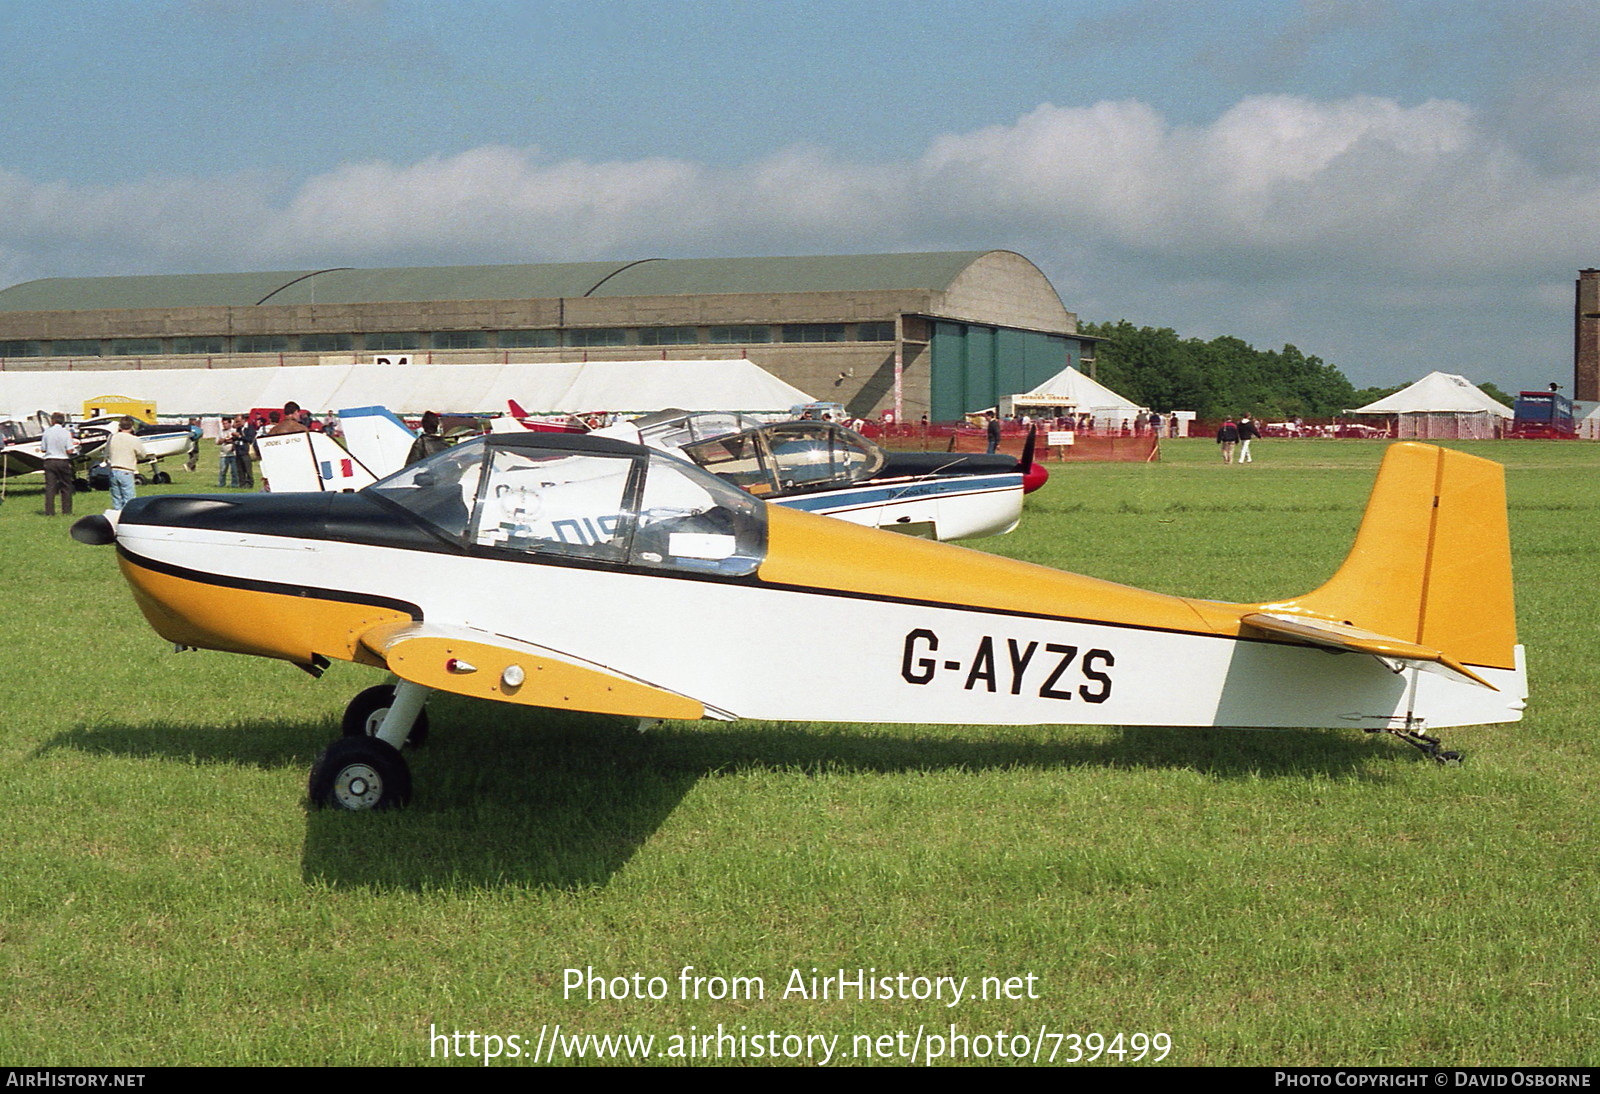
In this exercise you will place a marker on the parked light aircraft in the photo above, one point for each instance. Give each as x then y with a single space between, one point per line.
22 452
463 573
814 466
818 466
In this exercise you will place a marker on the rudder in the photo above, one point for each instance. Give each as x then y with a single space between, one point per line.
1432 560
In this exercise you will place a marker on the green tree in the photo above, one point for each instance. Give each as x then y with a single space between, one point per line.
1225 376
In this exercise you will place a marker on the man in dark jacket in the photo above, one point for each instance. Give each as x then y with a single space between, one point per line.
1227 437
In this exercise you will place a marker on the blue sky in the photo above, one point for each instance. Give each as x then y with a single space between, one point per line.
1394 186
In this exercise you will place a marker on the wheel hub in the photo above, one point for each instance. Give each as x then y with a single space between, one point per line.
358 787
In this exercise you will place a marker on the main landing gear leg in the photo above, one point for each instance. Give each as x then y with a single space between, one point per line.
364 769
403 712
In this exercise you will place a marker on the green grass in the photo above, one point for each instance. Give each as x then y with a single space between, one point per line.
1311 897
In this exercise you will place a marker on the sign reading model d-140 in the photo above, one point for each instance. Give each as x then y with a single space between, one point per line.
464 573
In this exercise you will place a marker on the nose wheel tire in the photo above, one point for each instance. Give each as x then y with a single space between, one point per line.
360 773
365 714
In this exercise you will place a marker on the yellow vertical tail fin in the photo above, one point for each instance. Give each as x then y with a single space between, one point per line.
1432 561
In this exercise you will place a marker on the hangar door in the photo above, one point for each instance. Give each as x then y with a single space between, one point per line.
973 366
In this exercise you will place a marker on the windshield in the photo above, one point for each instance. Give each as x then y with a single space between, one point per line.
440 490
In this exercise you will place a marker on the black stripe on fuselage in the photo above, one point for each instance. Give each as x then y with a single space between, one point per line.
256 585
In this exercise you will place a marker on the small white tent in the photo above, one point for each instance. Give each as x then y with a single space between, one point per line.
1586 416
1442 405
1071 388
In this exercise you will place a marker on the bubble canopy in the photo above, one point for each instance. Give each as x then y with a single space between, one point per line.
570 497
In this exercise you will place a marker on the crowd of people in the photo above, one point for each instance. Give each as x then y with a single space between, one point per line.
236 441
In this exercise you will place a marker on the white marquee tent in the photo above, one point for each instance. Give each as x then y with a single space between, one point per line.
1442 405
566 387
1071 388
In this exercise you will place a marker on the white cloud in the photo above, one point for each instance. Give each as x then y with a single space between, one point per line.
1291 214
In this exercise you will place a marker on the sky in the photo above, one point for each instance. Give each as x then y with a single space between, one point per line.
1395 187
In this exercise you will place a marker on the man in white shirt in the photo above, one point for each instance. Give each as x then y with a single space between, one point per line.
58 449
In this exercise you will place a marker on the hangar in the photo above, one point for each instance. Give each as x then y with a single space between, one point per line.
936 333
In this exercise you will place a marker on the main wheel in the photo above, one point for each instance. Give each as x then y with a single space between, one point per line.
366 711
358 773
161 478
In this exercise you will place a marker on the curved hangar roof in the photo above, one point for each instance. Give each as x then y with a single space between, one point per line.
932 271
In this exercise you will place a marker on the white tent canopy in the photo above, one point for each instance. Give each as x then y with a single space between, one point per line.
1586 417
566 387
1438 393
1069 387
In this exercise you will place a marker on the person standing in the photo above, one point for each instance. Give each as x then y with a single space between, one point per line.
428 441
1247 433
58 447
289 422
225 471
244 444
1227 437
993 431
123 453
195 433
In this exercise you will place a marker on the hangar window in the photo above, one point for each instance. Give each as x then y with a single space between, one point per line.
874 332
813 332
461 339
327 343
668 336
601 336
529 339
217 344
134 347
261 343
736 335
76 347
393 340
22 349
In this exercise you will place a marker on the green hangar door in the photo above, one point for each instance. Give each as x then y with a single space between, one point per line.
973 367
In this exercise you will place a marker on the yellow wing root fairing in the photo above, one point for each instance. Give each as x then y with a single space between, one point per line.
485 666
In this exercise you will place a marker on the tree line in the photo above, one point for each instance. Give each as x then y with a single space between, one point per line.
1226 376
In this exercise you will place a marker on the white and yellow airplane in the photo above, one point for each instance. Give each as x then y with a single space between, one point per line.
535 568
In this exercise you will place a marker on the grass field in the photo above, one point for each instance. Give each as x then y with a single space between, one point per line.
1293 897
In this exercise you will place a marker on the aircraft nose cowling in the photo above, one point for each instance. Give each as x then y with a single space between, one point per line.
96 531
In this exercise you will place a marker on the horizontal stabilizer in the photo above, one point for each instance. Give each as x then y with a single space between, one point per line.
1394 652
488 666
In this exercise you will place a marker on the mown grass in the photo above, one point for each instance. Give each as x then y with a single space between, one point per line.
1311 897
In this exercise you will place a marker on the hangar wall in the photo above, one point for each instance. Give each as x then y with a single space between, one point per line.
940 333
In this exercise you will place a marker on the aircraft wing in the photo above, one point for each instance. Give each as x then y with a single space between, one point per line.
491 666
1394 652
